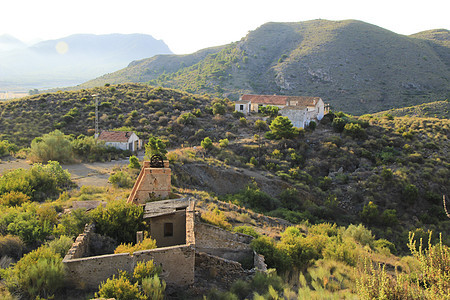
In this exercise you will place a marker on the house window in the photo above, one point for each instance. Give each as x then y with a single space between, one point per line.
241 107
168 229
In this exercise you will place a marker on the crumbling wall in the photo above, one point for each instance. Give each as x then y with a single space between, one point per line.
216 241
80 248
213 269
177 266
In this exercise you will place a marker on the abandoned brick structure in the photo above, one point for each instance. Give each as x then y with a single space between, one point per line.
187 249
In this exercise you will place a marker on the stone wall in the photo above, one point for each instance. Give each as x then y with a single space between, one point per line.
216 241
177 266
213 269
80 248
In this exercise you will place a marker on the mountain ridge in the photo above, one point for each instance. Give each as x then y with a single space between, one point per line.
356 66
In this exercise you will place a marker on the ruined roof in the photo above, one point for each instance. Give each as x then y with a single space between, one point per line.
281 100
115 136
164 207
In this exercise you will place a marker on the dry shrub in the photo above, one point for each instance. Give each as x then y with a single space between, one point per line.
146 244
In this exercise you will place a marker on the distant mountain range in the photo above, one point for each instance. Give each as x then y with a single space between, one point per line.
70 60
355 66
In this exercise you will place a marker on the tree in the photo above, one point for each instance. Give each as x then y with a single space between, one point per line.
282 128
155 146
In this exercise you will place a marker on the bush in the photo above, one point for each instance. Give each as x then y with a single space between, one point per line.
14 198
273 257
370 213
52 146
145 269
7 148
410 193
338 124
360 234
354 130
39 273
247 230
223 143
61 245
120 288
146 244
207 143
134 163
121 179
39 183
153 287
11 246
119 220
216 217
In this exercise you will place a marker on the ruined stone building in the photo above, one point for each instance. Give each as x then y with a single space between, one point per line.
187 249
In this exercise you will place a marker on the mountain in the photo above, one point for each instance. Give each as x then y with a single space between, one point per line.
355 66
8 43
74 59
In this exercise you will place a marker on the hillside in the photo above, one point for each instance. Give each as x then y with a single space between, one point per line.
438 109
355 66
71 60
400 165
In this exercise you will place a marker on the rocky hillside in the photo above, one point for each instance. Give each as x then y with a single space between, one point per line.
356 67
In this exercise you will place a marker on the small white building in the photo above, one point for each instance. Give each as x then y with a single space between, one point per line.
124 140
299 109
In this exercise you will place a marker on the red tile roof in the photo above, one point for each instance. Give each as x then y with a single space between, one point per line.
281 100
115 136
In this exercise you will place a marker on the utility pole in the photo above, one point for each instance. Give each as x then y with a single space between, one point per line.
96 115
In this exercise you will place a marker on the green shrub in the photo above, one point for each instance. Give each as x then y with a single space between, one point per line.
338 124
52 146
61 245
370 213
119 220
216 217
223 143
38 273
39 183
246 230
7 148
360 234
145 269
146 244
153 287
274 257
120 288
207 143
121 179
11 246
410 193
389 217
134 163
14 198
354 130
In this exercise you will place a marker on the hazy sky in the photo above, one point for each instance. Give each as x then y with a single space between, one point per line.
190 25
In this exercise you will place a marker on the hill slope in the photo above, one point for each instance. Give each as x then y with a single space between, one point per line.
73 59
438 109
355 66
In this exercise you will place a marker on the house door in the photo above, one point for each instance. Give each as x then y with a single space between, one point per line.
130 146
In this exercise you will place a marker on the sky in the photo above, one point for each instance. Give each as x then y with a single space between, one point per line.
190 25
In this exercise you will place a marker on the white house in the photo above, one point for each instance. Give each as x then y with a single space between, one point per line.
124 140
299 109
